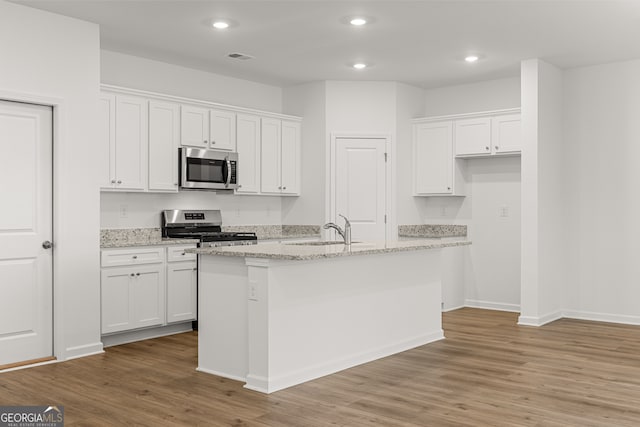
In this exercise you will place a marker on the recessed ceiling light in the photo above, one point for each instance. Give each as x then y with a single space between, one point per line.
359 65
220 25
471 58
358 21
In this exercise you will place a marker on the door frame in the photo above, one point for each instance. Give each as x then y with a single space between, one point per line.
390 179
58 114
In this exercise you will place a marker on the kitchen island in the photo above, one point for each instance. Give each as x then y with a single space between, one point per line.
276 315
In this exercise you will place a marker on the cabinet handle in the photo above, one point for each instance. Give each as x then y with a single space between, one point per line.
486 148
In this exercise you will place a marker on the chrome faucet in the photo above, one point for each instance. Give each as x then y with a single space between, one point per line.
346 234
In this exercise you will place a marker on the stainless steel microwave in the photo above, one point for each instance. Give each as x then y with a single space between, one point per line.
202 169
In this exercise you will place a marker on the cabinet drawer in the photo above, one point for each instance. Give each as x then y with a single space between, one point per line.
177 253
136 256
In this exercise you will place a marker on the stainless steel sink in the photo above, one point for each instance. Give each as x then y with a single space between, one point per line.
322 243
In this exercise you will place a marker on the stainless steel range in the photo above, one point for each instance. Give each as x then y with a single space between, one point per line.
204 226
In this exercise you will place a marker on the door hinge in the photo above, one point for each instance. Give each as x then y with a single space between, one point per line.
385 157
385 219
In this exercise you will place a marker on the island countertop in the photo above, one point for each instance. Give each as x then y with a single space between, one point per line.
320 250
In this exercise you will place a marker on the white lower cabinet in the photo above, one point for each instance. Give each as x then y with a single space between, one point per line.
132 298
182 285
146 287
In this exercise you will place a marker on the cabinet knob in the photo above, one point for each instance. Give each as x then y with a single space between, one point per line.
213 142
239 185
184 253
137 274
284 188
195 269
448 188
135 257
280 188
132 274
206 142
119 181
113 181
497 148
486 148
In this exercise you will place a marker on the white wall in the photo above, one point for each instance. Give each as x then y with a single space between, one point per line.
602 127
144 209
308 101
473 97
544 195
146 74
53 59
491 274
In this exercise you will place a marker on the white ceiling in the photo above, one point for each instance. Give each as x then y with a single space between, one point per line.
422 43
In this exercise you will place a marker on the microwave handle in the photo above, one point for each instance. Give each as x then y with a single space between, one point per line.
228 163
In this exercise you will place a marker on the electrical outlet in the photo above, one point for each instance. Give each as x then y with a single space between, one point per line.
504 211
124 211
253 292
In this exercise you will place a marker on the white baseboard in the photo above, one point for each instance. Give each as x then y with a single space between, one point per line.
444 310
145 334
541 320
83 351
221 374
270 385
602 317
488 305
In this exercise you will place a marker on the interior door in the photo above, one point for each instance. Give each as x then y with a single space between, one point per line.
360 187
26 275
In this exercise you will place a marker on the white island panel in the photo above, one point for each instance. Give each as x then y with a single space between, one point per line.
277 323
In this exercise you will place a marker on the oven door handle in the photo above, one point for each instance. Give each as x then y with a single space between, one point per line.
228 163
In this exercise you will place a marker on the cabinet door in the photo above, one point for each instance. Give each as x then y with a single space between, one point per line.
507 135
433 158
107 140
248 144
148 296
290 158
131 135
115 301
194 126
222 130
181 291
164 139
473 137
270 161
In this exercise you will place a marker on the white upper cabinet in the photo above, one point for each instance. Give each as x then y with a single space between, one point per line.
248 145
194 126
290 157
433 162
271 161
473 136
488 136
506 134
164 139
107 140
123 139
222 130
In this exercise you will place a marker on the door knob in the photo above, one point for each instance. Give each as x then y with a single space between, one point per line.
47 244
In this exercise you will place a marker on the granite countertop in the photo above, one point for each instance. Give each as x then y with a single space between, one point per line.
432 230
128 237
303 252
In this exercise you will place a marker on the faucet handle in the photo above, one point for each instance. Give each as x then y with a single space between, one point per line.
347 223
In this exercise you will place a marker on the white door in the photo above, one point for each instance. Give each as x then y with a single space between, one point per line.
360 187
26 276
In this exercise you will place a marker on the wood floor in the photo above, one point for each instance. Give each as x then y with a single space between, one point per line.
488 372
